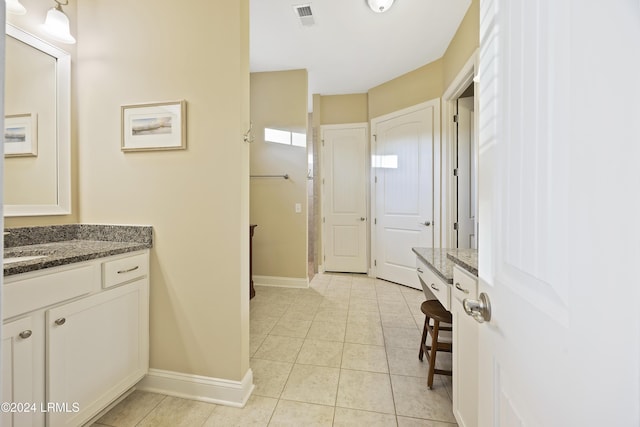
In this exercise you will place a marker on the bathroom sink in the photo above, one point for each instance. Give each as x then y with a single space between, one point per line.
21 259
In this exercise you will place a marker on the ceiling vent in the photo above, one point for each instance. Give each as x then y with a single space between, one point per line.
304 13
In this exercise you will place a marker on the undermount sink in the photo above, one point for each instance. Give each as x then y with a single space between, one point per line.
21 258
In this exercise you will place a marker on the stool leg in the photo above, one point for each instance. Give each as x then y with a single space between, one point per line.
432 355
424 337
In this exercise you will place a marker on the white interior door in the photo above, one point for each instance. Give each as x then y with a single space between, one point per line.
344 194
466 173
558 157
402 164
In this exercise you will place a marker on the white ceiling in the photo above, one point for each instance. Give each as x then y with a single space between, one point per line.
351 49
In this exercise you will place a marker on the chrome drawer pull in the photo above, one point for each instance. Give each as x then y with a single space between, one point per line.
25 334
419 270
61 321
129 270
434 287
460 288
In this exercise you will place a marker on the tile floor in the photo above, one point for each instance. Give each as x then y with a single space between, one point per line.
342 353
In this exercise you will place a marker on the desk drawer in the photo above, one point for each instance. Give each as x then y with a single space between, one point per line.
464 285
432 284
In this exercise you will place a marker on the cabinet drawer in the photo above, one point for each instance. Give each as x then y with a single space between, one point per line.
432 284
464 284
33 293
124 269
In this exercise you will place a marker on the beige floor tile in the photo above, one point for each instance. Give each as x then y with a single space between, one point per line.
370 317
281 349
329 331
255 341
402 338
291 328
394 306
320 353
368 391
176 412
296 414
362 357
331 315
398 320
364 292
353 418
262 325
404 361
416 422
269 310
364 333
269 376
132 409
312 384
256 413
363 304
414 399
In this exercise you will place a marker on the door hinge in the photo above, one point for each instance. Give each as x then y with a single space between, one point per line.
455 118
375 137
323 142
375 221
323 180
375 179
455 226
455 172
375 263
323 220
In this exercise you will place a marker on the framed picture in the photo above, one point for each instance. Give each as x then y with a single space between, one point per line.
159 126
21 135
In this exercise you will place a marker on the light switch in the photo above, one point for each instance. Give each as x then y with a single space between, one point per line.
298 208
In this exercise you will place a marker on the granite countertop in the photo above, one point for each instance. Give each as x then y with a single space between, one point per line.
438 261
441 261
67 244
465 258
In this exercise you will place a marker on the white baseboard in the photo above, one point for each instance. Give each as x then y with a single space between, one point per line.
282 282
196 387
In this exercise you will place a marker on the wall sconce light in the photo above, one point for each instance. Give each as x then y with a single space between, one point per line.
379 6
15 7
56 24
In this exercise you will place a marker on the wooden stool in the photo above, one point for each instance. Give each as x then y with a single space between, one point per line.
432 309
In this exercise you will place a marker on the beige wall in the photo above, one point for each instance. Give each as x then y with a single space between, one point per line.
279 100
464 43
195 199
30 22
340 109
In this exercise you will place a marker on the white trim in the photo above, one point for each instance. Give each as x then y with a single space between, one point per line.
281 282
463 79
196 387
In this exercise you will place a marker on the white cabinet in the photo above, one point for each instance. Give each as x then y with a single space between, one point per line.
19 367
96 350
74 347
465 349
433 284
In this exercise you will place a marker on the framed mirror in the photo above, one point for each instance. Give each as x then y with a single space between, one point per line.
37 144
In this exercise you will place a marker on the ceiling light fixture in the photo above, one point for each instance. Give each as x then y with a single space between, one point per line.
15 7
379 6
56 24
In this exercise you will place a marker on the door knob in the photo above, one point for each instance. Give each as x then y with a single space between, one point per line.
479 310
363 218
61 321
426 223
25 334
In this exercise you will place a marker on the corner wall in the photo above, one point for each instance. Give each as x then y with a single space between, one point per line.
279 101
195 199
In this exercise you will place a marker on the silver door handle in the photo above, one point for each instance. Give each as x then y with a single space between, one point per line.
61 321
426 223
25 334
479 310
434 287
460 288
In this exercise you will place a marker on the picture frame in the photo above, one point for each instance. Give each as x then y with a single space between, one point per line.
21 135
154 126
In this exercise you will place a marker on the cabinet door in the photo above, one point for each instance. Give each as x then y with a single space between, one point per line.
97 348
18 370
465 350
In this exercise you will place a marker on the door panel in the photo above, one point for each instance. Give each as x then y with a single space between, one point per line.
403 168
552 165
344 196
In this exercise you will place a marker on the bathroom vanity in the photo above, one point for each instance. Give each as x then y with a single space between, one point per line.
75 313
451 275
